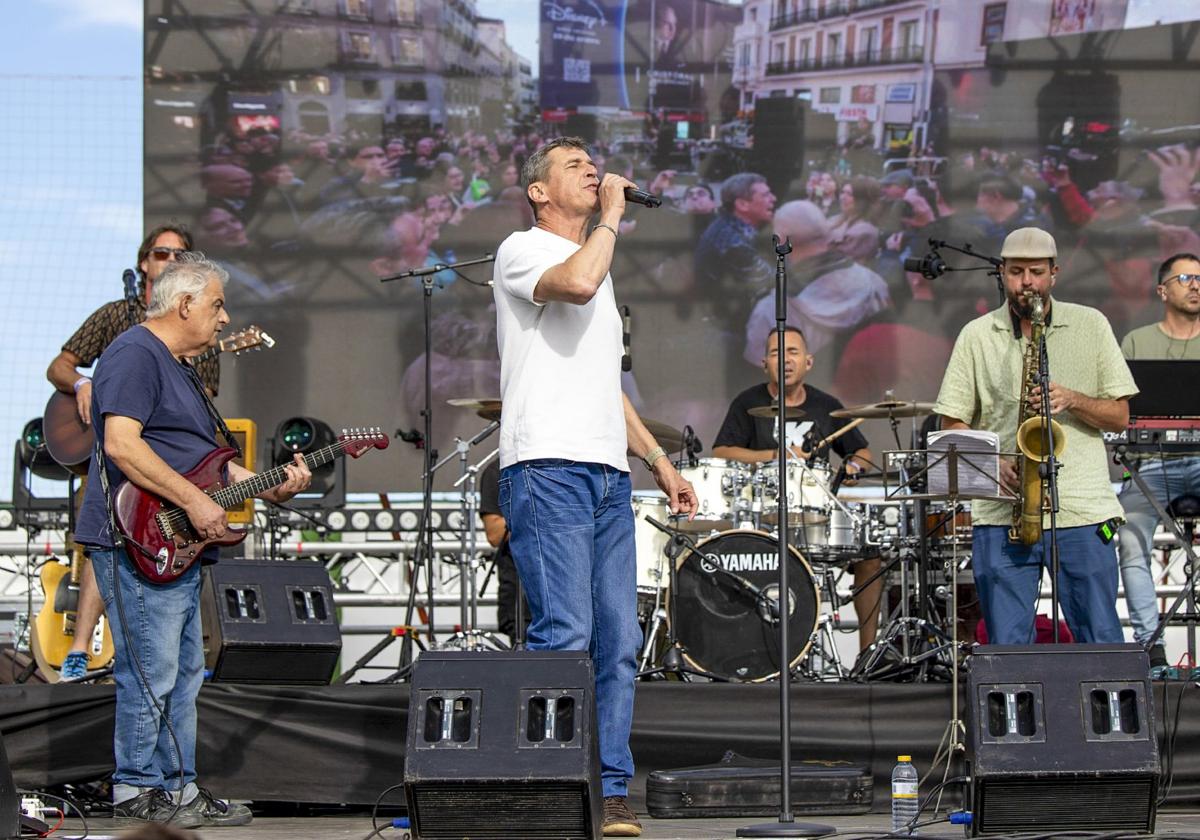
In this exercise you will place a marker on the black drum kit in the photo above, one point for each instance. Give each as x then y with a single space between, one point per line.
708 593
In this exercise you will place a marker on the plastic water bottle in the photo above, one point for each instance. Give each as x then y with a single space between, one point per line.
904 793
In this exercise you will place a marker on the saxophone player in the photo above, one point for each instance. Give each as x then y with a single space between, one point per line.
984 387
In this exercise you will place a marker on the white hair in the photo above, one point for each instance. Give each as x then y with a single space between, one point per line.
189 274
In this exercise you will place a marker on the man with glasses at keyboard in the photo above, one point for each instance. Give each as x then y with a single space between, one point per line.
1176 336
83 348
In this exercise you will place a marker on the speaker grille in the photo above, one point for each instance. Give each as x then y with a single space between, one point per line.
1058 803
502 809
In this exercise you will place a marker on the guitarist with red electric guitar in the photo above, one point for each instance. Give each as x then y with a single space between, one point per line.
154 423
67 422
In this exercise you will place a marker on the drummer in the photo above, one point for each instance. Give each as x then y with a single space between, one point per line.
752 440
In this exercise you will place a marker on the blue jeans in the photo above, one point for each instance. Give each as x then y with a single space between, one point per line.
1007 577
572 540
1166 480
164 633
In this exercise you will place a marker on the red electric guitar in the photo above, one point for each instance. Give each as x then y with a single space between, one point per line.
159 537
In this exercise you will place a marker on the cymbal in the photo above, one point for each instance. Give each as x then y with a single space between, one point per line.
668 437
885 409
769 411
488 407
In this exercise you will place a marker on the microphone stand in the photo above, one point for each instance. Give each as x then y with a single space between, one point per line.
1048 471
424 551
786 826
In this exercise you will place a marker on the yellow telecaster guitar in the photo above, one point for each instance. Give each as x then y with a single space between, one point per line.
54 626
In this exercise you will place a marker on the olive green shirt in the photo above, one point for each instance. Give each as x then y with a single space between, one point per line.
982 387
1150 342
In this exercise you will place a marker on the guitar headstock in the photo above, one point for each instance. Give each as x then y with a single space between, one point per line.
357 441
251 338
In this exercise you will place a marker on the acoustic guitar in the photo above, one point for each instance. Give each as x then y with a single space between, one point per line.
159 537
69 440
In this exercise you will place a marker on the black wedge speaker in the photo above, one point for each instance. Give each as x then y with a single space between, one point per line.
1061 737
503 744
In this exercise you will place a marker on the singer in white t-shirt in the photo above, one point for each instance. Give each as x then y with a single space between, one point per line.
564 433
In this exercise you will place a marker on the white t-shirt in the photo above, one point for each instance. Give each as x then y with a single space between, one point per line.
560 363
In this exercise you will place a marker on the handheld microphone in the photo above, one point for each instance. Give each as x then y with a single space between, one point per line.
626 332
636 196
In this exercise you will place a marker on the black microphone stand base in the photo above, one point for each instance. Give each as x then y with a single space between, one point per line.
786 828
673 665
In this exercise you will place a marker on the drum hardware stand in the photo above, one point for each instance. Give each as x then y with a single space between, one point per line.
468 636
823 640
672 659
424 552
786 826
912 641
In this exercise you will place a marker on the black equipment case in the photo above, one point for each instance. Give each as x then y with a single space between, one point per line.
737 786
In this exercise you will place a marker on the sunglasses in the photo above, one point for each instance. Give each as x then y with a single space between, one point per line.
1184 279
166 253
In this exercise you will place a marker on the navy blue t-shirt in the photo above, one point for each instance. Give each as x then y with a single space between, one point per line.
138 377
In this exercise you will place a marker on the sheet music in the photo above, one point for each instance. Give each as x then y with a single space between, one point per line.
978 462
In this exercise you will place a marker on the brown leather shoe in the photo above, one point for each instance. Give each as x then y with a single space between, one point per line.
619 820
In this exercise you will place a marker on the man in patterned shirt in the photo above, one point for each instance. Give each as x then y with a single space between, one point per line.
83 348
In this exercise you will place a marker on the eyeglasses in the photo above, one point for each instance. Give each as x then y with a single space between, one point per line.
166 253
1185 280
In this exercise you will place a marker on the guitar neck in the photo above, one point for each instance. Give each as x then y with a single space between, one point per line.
210 353
234 494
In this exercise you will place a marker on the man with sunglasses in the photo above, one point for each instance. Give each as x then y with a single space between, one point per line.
1176 336
158 250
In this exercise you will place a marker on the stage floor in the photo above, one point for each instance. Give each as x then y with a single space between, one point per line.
1171 823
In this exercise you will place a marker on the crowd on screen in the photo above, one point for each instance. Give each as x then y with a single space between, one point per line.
405 201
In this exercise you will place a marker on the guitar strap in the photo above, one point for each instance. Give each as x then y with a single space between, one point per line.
212 410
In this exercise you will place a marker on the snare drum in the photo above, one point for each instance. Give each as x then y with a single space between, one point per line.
808 498
838 537
722 493
649 543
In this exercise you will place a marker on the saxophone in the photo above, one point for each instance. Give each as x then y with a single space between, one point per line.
1032 501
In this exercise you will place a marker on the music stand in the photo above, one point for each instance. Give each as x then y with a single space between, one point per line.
955 492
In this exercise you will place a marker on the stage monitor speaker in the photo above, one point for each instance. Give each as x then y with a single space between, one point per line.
269 621
10 809
778 142
1061 737
503 745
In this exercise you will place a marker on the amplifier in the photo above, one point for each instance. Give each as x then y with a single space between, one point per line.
245 432
1061 737
269 621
